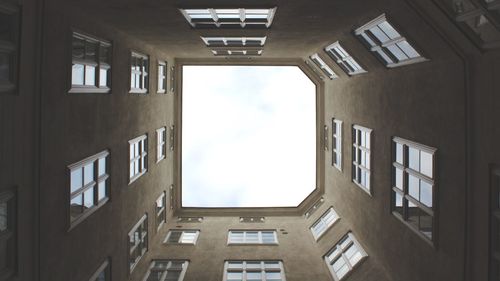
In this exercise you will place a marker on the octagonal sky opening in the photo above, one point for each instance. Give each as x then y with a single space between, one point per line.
248 136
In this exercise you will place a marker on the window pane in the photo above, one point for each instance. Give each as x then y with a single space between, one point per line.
414 159
78 48
254 276
76 206
389 30
104 55
103 77
90 75
398 203
174 236
268 237
426 193
252 237
102 191
76 179
173 275
396 51
426 224
338 264
413 187
102 166
399 178
234 276
88 198
381 36
271 264
426 164
88 173
77 74
273 275
408 49
90 51
234 264
253 264
399 153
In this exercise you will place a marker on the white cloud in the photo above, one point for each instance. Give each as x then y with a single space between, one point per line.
249 136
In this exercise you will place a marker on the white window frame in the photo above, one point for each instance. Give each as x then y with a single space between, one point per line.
162 77
161 144
230 241
215 19
236 53
182 231
233 41
406 200
340 249
98 181
323 221
142 72
161 211
244 269
344 59
358 168
141 159
166 269
11 48
8 236
337 126
104 267
321 64
97 64
382 49
139 241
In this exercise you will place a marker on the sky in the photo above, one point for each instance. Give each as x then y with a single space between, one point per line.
248 136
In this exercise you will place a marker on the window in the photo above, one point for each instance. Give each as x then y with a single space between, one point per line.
166 270
254 270
234 41
8 248
91 65
161 210
495 225
161 140
323 66
9 45
252 237
344 257
139 80
138 242
361 157
230 18
413 185
337 144
162 77
103 273
327 220
387 43
238 52
343 59
182 237
89 186
138 157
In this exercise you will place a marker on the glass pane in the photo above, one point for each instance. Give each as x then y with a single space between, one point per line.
426 163
88 173
408 49
90 51
413 214
102 166
338 264
235 264
88 198
234 276
426 224
396 51
268 237
155 276
426 193
342 271
398 203
188 237
252 237
173 275
384 56
4 216
368 39
254 276
273 275
174 236
103 77
101 191
414 159
399 178
389 30
413 187
253 264
104 55
77 74
399 153
381 36
271 264
76 179
78 48
90 75
76 206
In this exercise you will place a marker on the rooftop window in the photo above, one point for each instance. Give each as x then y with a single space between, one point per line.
227 18
245 130
319 62
234 41
344 60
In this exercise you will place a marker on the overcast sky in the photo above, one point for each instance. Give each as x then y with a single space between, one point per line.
248 136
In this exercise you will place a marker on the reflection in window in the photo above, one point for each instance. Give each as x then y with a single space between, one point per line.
8 235
91 64
139 69
182 237
9 47
344 257
161 210
166 270
414 185
138 157
252 237
324 223
361 157
387 43
229 18
89 185
253 270
138 242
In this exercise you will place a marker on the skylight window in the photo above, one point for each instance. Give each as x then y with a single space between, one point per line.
387 43
323 66
343 59
245 130
234 41
227 18
237 52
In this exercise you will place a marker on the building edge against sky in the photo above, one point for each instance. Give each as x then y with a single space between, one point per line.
443 106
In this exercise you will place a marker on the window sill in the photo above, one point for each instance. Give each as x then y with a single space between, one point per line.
162 92
89 90
87 213
138 91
